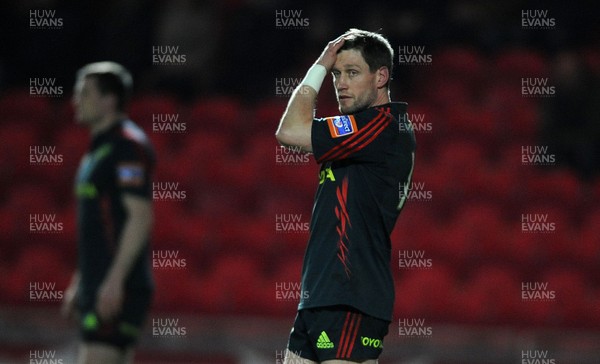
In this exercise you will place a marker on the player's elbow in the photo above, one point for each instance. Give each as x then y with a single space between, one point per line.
294 137
295 129
284 136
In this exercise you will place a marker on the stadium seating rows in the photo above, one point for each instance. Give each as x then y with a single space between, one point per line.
471 193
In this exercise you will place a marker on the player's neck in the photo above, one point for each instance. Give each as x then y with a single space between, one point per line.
383 97
106 122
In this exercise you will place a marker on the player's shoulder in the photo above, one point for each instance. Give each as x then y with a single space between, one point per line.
362 121
129 137
391 110
129 131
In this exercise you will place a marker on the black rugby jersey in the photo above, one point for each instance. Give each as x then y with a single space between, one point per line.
120 161
366 160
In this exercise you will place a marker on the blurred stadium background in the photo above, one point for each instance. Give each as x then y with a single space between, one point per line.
476 284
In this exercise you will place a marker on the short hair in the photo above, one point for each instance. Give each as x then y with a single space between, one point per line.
375 49
111 78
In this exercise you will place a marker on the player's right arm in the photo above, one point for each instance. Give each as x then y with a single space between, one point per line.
296 123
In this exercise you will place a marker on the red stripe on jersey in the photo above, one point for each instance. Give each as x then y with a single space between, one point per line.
342 196
355 147
341 212
386 110
352 144
378 129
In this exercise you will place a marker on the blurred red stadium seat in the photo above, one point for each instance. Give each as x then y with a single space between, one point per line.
178 290
429 126
526 250
592 59
37 263
225 114
519 63
236 284
426 293
22 108
31 198
447 94
446 175
485 231
15 152
491 296
562 185
515 117
209 152
594 308
286 273
460 62
161 118
143 109
73 143
267 115
585 248
473 122
571 305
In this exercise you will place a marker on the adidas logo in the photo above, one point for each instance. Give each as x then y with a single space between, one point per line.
323 342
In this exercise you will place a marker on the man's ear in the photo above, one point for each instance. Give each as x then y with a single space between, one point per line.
382 76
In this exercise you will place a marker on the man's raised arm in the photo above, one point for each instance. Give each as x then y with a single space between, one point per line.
295 125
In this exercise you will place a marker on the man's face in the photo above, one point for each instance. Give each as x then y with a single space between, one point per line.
90 105
355 85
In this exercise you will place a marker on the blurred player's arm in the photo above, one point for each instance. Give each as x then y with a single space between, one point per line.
295 125
69 304
133 239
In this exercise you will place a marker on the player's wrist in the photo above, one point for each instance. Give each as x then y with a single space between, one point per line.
315 76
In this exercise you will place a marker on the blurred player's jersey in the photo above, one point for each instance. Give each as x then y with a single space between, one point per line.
120 161
366 160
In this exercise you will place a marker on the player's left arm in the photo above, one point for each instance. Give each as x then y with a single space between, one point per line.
133 240
296 123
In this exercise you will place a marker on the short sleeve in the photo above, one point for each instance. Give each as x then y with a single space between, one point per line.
348 136
133 169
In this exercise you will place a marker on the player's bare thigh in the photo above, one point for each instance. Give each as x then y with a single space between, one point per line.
291 358
106 354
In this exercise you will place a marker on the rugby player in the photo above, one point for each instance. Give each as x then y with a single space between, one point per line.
366 155
112 288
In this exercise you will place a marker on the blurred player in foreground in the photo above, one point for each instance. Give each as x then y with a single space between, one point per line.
367 157
112 288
